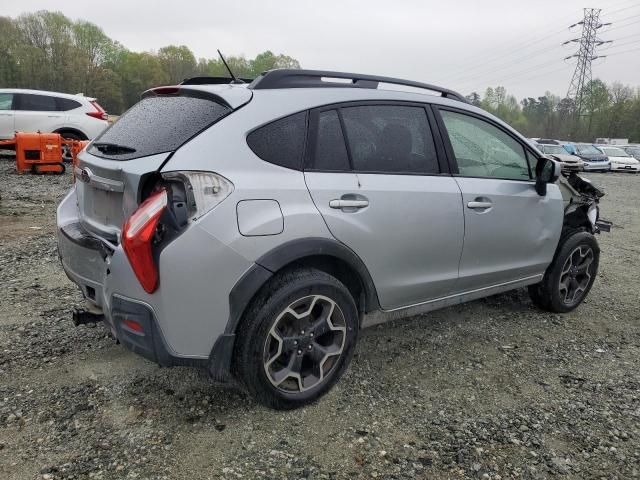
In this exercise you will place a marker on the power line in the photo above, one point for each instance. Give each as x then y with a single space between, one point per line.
462 75
491 70
624 51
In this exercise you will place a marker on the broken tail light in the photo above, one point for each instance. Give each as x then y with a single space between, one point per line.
176 200
138 235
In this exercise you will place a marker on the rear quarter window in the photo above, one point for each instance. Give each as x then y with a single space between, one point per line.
158 125
281 142
65 104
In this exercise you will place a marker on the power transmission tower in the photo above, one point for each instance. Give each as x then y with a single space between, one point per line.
586 53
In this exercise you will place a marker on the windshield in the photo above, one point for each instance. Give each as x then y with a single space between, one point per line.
615 152
554 149
588 150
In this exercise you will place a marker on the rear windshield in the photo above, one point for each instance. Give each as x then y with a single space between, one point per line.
157 125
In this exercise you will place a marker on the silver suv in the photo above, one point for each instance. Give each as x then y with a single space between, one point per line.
253 230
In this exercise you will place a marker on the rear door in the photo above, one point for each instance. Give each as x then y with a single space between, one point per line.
37 113
6 116
511 232
373 173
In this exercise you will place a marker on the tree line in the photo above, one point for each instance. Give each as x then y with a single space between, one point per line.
607 111
48 51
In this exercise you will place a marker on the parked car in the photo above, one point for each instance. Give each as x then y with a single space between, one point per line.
254 230
620 160
593 159
567 161
633 150
72 116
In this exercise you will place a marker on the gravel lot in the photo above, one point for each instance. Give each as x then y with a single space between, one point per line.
490 389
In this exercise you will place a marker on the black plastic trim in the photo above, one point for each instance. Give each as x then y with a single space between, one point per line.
308 247
150 344
213 81
298 78
242 293
76 233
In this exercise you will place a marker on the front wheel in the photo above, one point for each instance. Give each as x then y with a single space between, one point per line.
571 274
297 338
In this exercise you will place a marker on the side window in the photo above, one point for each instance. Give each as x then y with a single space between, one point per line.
65 104
36 103
281 142
330 150
390 138
482 150
6 100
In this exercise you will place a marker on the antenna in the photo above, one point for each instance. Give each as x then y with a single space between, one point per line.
233 77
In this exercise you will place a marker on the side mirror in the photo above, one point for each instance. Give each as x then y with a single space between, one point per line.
547 171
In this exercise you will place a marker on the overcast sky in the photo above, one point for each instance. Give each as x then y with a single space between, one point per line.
462 44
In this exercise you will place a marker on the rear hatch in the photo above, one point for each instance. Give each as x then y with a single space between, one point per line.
111 173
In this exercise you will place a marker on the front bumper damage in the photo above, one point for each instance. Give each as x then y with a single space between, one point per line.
581 198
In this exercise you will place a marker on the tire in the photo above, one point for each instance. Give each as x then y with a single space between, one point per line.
570 276
66 151
273 344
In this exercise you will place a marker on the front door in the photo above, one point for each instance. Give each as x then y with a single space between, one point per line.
511 232
383 193
6 116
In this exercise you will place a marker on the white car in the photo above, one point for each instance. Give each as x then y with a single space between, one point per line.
620 160
557 152
72 116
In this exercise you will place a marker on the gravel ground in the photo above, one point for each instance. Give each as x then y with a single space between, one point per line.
491 389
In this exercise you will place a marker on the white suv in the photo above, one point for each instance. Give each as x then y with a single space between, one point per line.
72 116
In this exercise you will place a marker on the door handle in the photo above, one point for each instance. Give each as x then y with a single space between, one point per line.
348 203
477 205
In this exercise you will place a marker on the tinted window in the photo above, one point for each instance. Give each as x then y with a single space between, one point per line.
158 124
483 150
330 151
281 142
65 104
389 138
36 103
5 101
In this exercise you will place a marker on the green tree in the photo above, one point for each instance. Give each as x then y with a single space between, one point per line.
177 62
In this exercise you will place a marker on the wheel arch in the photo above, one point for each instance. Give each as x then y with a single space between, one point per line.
74 131
329 256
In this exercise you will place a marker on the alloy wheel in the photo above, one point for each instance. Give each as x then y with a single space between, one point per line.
304 344
576 274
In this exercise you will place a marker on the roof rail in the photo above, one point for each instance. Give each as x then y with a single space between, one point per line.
212 80
292 78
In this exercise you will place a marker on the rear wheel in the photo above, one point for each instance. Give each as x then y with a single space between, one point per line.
297 338
570 276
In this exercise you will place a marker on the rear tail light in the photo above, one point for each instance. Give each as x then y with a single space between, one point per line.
185 196
99 113
203 190
137 239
